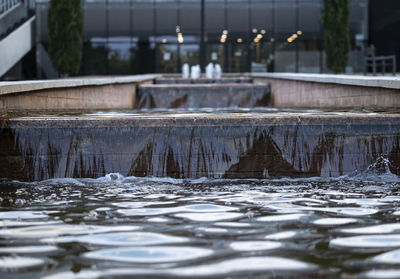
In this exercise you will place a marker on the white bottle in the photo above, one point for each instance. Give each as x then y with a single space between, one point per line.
195 73
185 71
218 71
210 70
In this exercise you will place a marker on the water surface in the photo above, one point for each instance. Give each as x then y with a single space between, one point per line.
129 227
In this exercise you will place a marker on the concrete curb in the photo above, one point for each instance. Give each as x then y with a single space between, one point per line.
34 85
356 80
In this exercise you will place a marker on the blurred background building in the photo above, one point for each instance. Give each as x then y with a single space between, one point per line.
145 36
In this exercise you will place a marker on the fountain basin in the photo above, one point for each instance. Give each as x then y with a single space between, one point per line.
202 95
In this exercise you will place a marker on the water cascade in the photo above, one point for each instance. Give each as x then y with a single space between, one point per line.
191 146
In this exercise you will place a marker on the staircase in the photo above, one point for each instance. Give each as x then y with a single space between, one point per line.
16 33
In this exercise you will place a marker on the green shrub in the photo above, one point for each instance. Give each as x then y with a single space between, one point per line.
335 20
65 27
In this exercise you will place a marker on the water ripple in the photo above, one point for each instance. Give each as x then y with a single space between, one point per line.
150 254
368 241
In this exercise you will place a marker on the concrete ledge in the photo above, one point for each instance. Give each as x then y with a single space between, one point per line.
34 85
331 91
72 94
355 80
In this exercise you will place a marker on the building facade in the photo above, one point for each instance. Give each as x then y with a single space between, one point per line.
146 36
142 36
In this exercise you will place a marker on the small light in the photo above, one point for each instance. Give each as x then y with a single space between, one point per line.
178 29
225 32
272 40
164 41
222 41
240 40
179 34
256 40
299 32
224 36
259 36
263 31
254 30
290 40
294 36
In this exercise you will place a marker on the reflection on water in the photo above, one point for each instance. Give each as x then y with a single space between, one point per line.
132 227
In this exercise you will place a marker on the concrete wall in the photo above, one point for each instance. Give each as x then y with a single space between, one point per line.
16 45
331 91
72 94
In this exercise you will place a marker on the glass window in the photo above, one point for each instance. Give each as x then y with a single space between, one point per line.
189 54
167 58
214 17
285 57
166 17
215 54
309 58
95 19
95 57
261 56
143 18
119 56
238 16
309 16
119 18
285 16
189 16
237 61
143 56
261 15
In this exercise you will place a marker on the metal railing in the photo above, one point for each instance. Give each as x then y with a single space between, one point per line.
6 5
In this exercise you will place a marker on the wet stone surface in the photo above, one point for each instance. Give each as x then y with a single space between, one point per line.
130 227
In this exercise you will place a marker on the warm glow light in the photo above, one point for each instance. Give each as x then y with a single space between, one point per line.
256 40
164 41
224 36
263 31
259 36
254 30
225 32
222 41
290 40
299 32
294 36
240 40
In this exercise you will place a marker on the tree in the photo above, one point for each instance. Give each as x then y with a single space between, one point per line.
335 20
65 25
